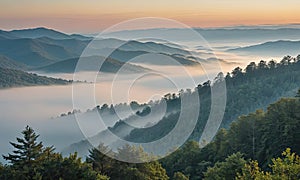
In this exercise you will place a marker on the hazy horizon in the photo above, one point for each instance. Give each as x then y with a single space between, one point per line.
94 16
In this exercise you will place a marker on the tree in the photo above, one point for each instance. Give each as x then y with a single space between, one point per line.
298 58
26 155
284 168
262 65
179 176
31 160
228 169
272 64
251 67
148 170
101 162
186 160
236 72
126 170
298 94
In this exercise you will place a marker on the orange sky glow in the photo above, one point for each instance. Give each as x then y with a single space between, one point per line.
94 15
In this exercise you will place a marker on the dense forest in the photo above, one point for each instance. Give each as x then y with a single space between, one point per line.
253 88
260 145
260 136
17 78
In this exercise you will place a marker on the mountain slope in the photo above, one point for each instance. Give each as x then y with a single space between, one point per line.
152 47
39 32
16 78
6 62
110 66
276 48
34 52
154 58
6 35
246 92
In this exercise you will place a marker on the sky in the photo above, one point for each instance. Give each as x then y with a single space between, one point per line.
90 16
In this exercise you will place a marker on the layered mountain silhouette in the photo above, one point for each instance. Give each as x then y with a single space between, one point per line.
276 48
53 51
44 32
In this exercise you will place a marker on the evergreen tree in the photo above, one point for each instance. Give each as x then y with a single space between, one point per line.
31 160
25 157
179 176
298 94
227 169
126 170
101 162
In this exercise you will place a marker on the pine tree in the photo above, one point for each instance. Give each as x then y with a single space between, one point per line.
27 149
31 160
298 94
26 154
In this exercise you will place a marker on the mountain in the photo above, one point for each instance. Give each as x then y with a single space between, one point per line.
75 46
6 62
276 48
152 47
42 32
214 36
110 66
41 47
6 35
153 58
16 78
112 44
34 52
80 37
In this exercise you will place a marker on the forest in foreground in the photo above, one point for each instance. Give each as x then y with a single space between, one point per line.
260 145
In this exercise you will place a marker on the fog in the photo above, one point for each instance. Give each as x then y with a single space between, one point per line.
40 106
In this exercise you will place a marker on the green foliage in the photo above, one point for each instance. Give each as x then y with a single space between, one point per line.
115 169
179 176
16 78
102 163
254 88
26 155
260 135
284 168
31 160
228 169
185 160
298 94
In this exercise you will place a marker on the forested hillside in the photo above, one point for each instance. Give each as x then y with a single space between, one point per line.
247 90
260 136
253 88
247 150
17 78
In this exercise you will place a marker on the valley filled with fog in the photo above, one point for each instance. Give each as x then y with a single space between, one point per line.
151 74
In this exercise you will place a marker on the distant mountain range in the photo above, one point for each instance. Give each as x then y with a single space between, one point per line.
275 48
52 51
34 52
230 35
43 32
